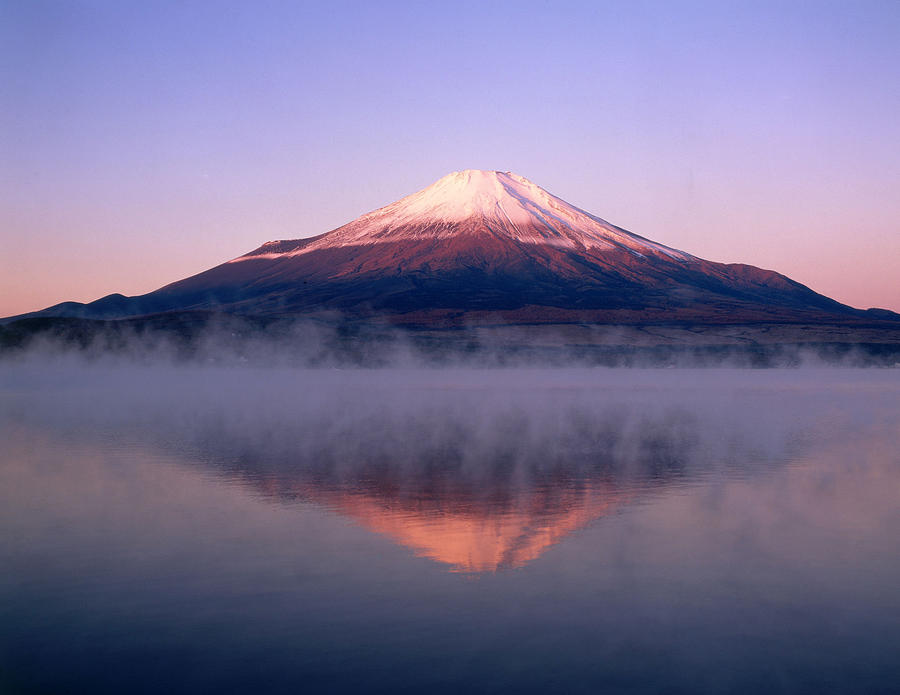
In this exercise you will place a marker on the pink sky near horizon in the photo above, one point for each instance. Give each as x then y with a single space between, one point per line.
142 145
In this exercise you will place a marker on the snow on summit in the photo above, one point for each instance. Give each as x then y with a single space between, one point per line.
474 202
463 194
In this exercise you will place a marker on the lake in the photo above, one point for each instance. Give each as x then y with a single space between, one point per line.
253 530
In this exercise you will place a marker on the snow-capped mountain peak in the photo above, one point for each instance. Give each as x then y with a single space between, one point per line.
485 246
472 192
476 202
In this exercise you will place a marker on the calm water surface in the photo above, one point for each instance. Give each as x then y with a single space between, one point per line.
291 531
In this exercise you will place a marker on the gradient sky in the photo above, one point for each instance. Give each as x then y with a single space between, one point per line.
144 142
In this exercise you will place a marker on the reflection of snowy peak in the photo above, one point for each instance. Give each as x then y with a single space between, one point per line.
485 202
464 532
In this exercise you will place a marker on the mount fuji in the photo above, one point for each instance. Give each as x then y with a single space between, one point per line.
483 246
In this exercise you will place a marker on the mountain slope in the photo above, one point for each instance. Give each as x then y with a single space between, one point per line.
483 245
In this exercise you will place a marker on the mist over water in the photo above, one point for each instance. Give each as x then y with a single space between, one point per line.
274 529
335 340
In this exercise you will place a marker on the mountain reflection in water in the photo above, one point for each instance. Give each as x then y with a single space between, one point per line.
583 531
478 470
466 532
474 483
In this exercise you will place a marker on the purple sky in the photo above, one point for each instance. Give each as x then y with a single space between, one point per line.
144 142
